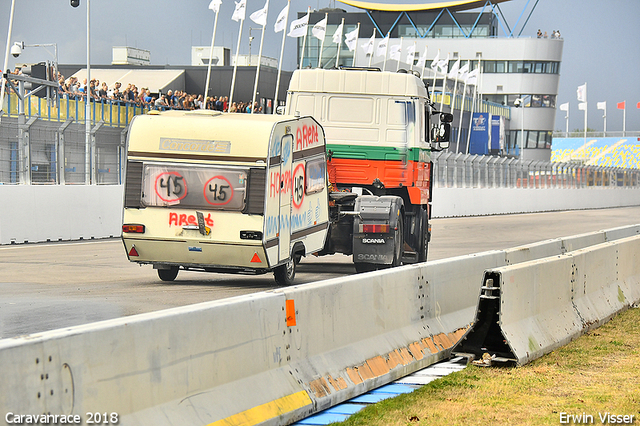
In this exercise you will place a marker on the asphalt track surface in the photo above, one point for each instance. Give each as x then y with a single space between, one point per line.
48 286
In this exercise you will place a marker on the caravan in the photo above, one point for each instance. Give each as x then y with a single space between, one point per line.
218 192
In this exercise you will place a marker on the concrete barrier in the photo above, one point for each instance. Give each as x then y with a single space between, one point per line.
454 202
34 213
275 357
265 358
529 309
37 213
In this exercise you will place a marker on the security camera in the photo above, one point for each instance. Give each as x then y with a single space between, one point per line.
16 50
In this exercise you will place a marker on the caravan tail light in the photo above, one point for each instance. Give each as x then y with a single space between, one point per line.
133 229
374 229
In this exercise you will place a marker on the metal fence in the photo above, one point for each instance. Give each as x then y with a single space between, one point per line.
36 151
453 170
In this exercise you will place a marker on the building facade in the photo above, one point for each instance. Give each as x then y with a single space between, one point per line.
513 70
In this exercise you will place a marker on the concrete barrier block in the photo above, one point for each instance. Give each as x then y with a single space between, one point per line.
621 232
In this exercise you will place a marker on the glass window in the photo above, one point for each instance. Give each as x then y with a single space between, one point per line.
515 66
200 187
501 66
314 175
532 139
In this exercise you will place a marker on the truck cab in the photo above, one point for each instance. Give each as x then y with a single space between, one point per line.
380 130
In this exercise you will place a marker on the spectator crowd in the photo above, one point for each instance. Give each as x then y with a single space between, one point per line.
73 89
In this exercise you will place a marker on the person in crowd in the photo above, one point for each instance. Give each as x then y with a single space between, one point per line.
219 103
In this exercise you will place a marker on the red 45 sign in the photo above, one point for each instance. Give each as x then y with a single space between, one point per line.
171 186
218 191
298 185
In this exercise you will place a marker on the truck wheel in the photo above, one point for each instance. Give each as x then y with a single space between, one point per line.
284 274
365 267
398 243
423 244
168 274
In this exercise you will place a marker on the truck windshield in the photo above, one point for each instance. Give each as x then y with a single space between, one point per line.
194 186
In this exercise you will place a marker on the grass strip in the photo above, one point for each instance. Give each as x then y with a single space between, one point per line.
596 374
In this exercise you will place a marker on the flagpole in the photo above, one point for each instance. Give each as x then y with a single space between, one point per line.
464 94
444 85
435 74
304 40
356 49
340 45
400 56
284 36
473 104
424 63
624 120
386 51
255 86
326 16
213 40
371 55
235 65
414 57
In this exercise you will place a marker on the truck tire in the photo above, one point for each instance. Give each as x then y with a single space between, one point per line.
423 245
398 243
168 274
365 267
284 274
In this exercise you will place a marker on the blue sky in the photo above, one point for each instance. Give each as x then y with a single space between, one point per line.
600 45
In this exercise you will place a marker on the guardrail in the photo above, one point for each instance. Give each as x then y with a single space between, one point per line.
269 358
457 170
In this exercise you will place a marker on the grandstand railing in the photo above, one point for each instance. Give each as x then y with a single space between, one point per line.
110 112
456 170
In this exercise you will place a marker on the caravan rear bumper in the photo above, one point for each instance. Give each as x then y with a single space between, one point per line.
202 255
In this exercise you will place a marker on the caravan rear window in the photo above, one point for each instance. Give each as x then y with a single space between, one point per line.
193 186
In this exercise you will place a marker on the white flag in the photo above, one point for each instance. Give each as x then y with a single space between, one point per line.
260 16
368 46
351 39
240 12
435 61
582 93
564 107
454 69
444 65
411 54
337 36
472 77
281 22
582 106
382 46
602 105
464 70
423 58
298 27
320 29
395 51
215 5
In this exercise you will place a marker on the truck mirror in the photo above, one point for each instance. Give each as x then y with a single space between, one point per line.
440 136
280 110
446 117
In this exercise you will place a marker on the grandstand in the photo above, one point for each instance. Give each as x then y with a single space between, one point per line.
604 152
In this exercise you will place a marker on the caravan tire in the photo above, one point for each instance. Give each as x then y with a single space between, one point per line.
284 274
168 274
